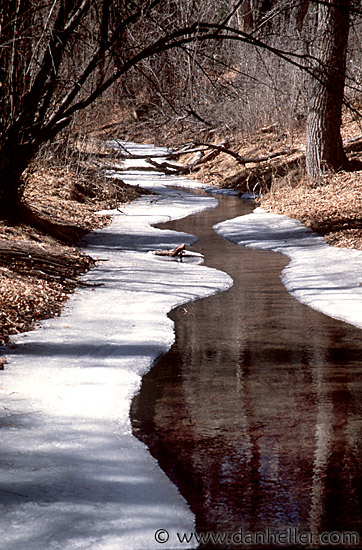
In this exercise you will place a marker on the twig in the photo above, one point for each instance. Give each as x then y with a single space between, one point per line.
13 493
272 155
89 285
192 112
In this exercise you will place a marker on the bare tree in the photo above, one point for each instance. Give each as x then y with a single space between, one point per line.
53 65
324 148
57 57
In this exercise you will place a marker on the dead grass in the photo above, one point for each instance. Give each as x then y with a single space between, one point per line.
332 209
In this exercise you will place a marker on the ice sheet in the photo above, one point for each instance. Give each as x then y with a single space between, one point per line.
326 278
72 474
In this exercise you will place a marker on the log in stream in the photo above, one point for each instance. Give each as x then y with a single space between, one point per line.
255 413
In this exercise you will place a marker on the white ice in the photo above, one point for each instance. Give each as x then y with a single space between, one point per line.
326 278
72 474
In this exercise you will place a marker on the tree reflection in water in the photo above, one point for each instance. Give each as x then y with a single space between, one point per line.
256 411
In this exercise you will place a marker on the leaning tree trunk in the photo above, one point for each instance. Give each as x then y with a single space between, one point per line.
324 148
14 159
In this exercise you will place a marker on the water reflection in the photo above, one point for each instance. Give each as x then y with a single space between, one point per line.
255 413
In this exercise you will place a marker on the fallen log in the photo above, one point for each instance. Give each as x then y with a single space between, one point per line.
205 158
264 158
132 156
261 177
222 148
244 160
188 148
168 168
178 251
353 145
26 255
171 154
140 169
199 158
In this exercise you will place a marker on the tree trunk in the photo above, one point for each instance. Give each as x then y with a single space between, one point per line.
14 159
324 149
10 190
18 149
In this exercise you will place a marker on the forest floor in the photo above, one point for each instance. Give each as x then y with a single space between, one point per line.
40 267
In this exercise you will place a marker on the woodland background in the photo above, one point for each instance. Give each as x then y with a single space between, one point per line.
231 65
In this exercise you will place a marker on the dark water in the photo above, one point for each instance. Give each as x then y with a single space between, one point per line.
256 411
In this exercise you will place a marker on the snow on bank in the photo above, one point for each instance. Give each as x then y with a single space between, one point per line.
72 474
325 278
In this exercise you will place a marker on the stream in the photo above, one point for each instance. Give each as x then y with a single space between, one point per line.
255 412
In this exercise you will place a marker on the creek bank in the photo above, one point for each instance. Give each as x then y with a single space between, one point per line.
326 278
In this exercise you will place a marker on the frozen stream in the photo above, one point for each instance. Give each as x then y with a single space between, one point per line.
72 474
256 411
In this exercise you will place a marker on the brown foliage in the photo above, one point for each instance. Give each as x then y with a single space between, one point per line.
38 271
